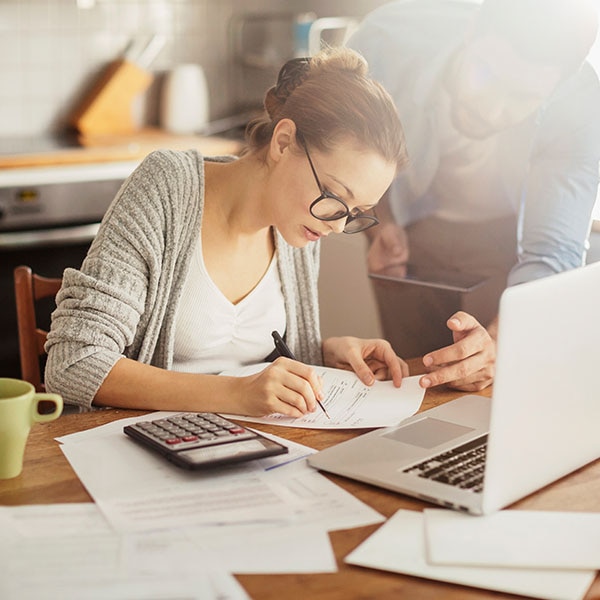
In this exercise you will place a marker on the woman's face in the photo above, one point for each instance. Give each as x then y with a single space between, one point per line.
359 177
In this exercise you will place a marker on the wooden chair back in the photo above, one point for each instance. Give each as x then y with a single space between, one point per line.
29 289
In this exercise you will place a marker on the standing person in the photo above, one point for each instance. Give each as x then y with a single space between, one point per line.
502 122
199 259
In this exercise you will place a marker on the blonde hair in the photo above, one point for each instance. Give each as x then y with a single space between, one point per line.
331 97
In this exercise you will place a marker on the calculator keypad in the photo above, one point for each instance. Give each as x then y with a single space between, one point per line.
193 430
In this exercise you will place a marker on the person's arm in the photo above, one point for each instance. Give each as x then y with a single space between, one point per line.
561 185
559 195
285 386
100 306
384 215
388 244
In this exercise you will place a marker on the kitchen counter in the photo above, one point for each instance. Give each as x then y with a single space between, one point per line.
119 148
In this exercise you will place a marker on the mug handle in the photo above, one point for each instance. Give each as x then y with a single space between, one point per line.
42 418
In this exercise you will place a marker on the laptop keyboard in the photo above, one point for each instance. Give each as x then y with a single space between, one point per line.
462 466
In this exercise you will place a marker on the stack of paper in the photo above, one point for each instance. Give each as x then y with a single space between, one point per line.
78 556
138 490
158 532
401 546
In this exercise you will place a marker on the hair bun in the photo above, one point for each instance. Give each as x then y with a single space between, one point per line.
338 59
291 75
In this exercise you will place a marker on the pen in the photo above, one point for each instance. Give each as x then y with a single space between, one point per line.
284 350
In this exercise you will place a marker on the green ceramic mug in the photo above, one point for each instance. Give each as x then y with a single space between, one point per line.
19 410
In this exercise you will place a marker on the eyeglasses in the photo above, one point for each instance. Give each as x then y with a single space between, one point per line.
329 207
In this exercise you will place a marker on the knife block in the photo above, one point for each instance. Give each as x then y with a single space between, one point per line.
108 108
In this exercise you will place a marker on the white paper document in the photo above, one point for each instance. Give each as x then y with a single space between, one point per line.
68 551
50 520
514 538
321 503
350 403
75 544
138 490
47 585
263 548
399 546
238 549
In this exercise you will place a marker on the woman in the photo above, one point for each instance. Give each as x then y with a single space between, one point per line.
198 260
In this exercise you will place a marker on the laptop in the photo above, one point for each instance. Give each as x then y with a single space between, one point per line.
479 455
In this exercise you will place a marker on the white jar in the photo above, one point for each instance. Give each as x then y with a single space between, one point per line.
184 100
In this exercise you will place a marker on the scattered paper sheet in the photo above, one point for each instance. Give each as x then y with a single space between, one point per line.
320 502
266 548
138 490
203 586
399 546
51 520
349 403
68 551
79 554
514 538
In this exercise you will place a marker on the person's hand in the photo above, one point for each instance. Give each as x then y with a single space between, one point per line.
388 250
286 386
469 363
371 360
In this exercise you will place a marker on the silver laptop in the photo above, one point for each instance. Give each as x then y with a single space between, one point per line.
479 455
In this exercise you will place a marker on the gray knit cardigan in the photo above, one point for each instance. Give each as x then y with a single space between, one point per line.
123 300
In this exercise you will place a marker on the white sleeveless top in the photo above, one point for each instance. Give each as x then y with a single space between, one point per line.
212 334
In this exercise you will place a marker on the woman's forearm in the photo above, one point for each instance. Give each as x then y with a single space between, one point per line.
134 385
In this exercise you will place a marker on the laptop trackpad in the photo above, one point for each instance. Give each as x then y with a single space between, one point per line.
428 433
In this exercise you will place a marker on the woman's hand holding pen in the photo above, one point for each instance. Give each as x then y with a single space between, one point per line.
286 386
372 360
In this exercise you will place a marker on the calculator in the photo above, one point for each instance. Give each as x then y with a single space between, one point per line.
202 440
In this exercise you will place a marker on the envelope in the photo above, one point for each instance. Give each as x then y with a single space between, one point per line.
514 538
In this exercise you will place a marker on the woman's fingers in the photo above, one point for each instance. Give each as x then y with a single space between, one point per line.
292 387
371 360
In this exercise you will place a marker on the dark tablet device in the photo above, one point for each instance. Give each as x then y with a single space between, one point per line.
446 280
408 299
202 440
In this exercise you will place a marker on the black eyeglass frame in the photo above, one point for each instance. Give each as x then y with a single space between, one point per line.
369 220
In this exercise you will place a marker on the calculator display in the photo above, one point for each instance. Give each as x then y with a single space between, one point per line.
210 453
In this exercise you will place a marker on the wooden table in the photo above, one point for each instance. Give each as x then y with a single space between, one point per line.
48 478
